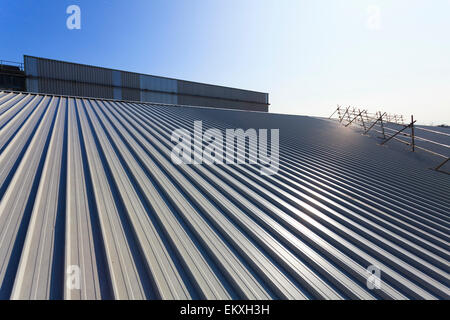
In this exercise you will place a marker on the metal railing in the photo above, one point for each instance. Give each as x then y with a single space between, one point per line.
379 122
11 63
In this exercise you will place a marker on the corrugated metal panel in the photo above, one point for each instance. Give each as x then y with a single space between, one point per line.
193 88
32 85
90 183
219 103
117 93
130 80
31 66
75 89
148 96
117 83
157 84
116 78
31 71
131 94
49 76
54 69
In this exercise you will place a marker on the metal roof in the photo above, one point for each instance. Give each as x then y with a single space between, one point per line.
90 183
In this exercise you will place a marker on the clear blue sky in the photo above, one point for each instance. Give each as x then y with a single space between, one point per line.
308 54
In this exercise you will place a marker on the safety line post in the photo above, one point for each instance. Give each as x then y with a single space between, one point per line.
362 119
334 112
348 114
398 132
442 164
350 121
382 125
342 119
374 123
412 133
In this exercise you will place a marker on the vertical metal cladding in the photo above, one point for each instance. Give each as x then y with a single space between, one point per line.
31 72
158 83
158 89
117 84
58 77
159 97
131 94
130 86
130 80
207 90
189 100
75 89
74 72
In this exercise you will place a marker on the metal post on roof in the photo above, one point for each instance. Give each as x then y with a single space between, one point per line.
412 132
362 119
348 114
390 118
382 125
350 122
373 124
342 119
337 110
441 165
398 132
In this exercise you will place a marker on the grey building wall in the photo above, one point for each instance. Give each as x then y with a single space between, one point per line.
31 72
57 77
207 90
117 85
158 89
220 103
66 78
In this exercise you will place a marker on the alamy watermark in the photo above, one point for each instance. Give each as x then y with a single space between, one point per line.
73 277
74 20
374 18
374 277
234 146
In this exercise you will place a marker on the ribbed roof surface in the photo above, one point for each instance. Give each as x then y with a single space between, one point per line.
91 183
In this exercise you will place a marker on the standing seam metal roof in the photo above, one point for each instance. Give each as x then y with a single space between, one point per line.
90 183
